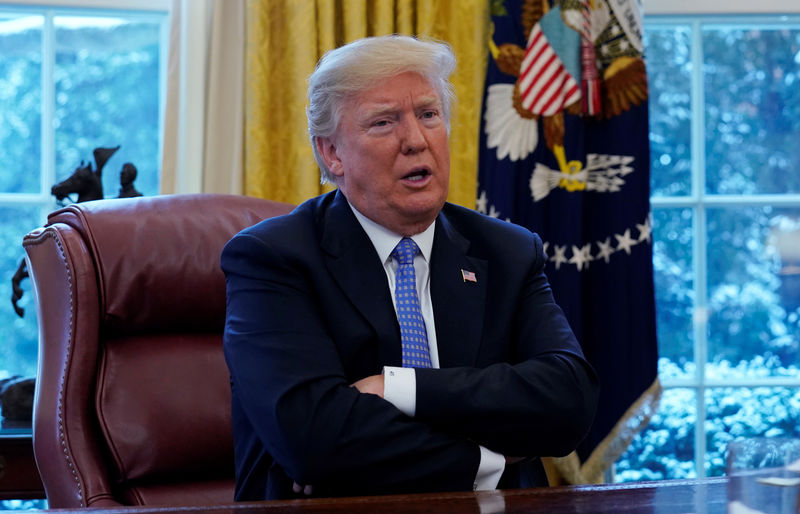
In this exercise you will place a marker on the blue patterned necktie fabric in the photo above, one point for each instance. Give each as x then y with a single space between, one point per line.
412 327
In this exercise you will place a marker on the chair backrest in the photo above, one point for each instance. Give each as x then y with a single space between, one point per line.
133 396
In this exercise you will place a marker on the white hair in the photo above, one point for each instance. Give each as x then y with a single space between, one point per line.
356 66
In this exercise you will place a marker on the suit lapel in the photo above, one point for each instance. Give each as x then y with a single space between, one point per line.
356 268
458 304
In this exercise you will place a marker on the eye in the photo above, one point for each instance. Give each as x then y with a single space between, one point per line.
429 114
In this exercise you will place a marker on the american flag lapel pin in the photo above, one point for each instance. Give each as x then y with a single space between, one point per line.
469 276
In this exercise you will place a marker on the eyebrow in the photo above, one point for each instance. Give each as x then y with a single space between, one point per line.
381 108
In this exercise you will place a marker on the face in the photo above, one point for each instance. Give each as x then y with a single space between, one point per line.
390 153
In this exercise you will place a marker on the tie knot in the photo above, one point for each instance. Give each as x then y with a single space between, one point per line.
405 251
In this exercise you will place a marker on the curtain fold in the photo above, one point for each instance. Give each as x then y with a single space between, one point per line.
223 163
203 122
284 40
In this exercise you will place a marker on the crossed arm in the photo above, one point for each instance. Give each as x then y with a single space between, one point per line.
294 383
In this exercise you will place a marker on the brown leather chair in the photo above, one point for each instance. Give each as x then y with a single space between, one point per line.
133 394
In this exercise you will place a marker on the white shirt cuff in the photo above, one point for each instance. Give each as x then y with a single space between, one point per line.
489 472
400 388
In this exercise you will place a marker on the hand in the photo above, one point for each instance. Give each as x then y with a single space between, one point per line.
370 385
305 489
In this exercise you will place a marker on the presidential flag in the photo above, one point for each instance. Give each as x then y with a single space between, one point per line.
564 151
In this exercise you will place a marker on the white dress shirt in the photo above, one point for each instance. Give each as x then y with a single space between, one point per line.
400 385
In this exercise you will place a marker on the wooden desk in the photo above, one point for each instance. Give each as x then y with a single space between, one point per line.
706 496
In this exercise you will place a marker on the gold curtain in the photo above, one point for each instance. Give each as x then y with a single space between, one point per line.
285 38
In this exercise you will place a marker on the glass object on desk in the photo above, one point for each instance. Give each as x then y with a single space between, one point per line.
764 476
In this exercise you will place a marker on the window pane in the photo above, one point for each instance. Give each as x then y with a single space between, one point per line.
23 504
18 335
107 94
672 265
20 103
735 412
752 93
668 71
665 448
753 260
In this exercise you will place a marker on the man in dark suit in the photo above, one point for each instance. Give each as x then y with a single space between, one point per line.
355 371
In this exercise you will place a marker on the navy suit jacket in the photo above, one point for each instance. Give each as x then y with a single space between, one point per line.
309 312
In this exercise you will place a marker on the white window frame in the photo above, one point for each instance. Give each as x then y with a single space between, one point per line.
717 7
134 5
699 201
145 10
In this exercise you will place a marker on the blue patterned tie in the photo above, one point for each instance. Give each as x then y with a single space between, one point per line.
412 327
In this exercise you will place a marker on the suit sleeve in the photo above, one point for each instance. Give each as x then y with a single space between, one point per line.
289 379
542 402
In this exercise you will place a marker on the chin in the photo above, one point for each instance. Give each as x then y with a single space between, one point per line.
425 212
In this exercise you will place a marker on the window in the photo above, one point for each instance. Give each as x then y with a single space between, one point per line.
724 125
71 80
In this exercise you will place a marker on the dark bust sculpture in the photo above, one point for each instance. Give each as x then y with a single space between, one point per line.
88 185
126 178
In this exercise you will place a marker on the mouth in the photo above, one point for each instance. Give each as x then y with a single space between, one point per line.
417 174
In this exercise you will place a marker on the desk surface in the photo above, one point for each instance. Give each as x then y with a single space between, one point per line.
705 496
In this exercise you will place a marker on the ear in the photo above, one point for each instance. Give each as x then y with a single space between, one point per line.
327 150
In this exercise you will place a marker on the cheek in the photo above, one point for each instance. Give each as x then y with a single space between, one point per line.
441 146
444 158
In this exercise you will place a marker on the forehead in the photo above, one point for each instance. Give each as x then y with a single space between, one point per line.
399 89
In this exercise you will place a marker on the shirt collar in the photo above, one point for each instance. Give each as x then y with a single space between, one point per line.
384 240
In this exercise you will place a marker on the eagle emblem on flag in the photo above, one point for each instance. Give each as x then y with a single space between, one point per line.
574 42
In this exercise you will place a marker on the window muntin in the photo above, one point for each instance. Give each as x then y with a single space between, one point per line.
727 288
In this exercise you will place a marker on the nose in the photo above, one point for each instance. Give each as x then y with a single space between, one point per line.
413 138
